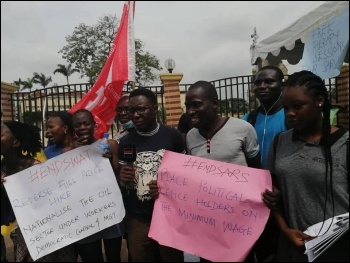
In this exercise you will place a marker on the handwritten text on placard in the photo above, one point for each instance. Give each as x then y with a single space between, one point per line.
326 47
65 199
209 208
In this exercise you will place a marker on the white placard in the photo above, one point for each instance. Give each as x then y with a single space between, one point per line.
65 199
326 47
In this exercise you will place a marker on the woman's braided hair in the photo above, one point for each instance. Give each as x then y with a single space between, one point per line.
27 135
314 86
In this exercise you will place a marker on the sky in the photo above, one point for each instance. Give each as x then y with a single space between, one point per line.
207 40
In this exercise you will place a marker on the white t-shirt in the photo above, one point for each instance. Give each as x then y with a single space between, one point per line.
235 141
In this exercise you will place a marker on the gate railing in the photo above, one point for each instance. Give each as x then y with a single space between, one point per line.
35 106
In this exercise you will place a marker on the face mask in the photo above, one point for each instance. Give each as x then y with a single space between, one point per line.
128 125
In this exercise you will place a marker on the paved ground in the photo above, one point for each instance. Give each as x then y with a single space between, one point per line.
124 254
9 250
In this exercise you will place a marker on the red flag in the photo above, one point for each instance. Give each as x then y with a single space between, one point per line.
102 98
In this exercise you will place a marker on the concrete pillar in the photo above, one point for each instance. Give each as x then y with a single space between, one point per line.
171 83
343 96
7 106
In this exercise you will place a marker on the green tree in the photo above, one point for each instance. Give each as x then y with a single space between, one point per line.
28 84
31 117
41 79
146 64
88 47
65 70
233 106
18 82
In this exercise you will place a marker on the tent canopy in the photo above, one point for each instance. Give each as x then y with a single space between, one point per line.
288 43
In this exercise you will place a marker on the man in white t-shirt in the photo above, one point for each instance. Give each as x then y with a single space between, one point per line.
225 139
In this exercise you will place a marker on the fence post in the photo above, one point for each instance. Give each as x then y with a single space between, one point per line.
172 97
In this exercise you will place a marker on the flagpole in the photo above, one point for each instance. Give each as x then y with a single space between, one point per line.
102 98
44 114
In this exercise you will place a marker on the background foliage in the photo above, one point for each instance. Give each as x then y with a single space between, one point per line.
88 47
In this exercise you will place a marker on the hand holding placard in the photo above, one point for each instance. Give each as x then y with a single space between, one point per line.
205 206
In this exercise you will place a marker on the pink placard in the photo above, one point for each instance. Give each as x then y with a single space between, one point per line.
209 208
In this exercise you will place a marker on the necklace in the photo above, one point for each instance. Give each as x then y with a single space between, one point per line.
151 133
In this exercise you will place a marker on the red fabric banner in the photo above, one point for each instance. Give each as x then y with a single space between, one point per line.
102 98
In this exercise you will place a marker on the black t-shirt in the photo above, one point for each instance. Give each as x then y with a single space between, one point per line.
149 153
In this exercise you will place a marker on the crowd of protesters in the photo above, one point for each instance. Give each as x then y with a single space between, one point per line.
290 134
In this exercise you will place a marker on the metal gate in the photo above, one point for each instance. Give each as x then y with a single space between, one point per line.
34 107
